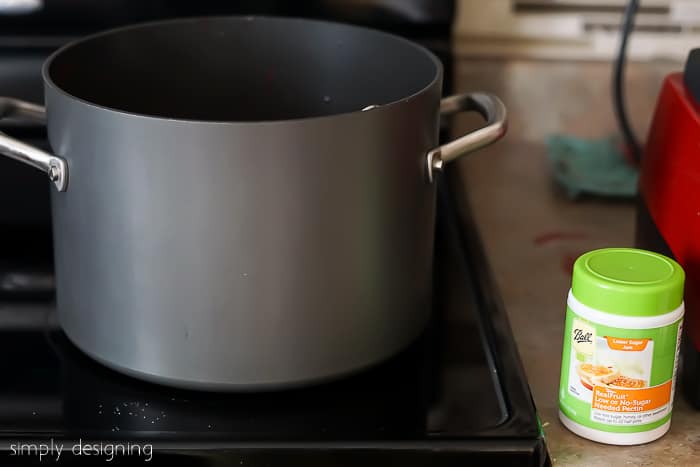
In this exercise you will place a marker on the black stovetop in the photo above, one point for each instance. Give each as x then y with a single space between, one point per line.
458 396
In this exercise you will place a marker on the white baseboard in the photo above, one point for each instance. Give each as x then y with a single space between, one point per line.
574 29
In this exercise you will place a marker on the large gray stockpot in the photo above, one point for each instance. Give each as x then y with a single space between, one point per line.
244 203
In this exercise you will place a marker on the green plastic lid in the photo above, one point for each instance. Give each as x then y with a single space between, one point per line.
628 282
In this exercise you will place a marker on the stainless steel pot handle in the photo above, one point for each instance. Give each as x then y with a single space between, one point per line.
55 167
490 107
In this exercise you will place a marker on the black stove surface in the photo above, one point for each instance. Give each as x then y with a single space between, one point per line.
456 395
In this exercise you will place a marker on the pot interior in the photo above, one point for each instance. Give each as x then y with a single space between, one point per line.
241 69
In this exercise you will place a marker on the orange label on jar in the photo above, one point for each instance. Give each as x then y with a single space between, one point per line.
631 400
632 345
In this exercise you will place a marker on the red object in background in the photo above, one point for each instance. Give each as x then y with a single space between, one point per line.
670 186
668 215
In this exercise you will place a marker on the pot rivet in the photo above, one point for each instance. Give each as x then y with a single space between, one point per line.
54 173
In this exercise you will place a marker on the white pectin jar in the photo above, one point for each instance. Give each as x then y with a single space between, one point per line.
621 342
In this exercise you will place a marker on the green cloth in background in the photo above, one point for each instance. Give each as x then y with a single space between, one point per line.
594 167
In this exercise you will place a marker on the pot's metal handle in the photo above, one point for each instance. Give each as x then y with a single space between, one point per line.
490 107
55 167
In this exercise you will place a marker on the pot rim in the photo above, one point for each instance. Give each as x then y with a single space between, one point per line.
50 84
